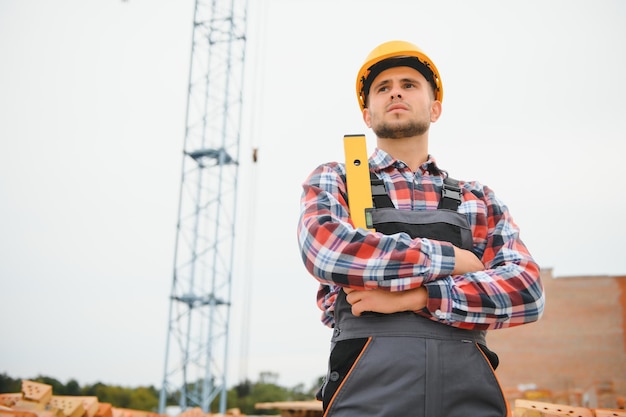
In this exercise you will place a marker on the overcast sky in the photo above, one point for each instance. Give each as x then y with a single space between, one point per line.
92 115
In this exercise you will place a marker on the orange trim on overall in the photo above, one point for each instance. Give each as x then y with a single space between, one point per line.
508 409
332 400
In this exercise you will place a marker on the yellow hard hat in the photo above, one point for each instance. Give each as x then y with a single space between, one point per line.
395 54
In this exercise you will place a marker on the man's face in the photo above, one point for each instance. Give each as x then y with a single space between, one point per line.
400 104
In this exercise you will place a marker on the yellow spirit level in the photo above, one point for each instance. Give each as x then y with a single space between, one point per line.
357 179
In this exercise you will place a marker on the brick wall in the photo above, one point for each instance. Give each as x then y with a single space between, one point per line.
580 342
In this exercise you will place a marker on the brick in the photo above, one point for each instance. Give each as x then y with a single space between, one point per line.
36 392
104 410
90 404
16 413
70 406
9 399
548 409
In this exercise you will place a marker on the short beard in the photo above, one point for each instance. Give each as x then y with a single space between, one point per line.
400 130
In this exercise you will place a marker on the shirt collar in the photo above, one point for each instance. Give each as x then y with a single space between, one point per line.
382 160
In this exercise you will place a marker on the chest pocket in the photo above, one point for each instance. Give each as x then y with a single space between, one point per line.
444 224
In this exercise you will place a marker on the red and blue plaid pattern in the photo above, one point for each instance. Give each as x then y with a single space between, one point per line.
508 293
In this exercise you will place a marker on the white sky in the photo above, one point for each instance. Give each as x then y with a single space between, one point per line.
92 105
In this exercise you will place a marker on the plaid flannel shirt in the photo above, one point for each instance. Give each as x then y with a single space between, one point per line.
507 293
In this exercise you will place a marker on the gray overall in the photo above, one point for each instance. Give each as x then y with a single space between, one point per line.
403 364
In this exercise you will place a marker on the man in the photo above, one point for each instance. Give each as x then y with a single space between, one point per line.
410 302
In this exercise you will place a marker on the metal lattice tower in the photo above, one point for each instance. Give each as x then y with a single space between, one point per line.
196 355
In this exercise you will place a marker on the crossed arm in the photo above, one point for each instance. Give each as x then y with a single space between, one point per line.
386 302
502 289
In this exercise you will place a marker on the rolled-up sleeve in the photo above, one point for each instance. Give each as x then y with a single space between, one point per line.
509 292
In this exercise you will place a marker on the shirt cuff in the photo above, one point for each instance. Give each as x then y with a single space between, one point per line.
439 303
441 260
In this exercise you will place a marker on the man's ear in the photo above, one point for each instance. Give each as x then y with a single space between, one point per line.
435 111
366 117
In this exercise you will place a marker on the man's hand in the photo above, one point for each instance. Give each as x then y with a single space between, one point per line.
380 301
465 261
386 302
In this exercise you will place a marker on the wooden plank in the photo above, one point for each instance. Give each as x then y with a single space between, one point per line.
605 412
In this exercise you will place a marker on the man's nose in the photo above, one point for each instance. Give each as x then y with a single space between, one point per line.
395 92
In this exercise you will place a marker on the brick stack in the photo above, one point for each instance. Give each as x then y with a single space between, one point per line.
37 400
576 353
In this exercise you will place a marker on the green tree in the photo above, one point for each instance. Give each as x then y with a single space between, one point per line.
247 394
9 385
72 388
144 398
57 386
117 396
92 390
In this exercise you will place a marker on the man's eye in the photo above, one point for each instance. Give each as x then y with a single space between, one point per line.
409 85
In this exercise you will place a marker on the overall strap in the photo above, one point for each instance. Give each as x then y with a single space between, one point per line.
450 194
379 193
